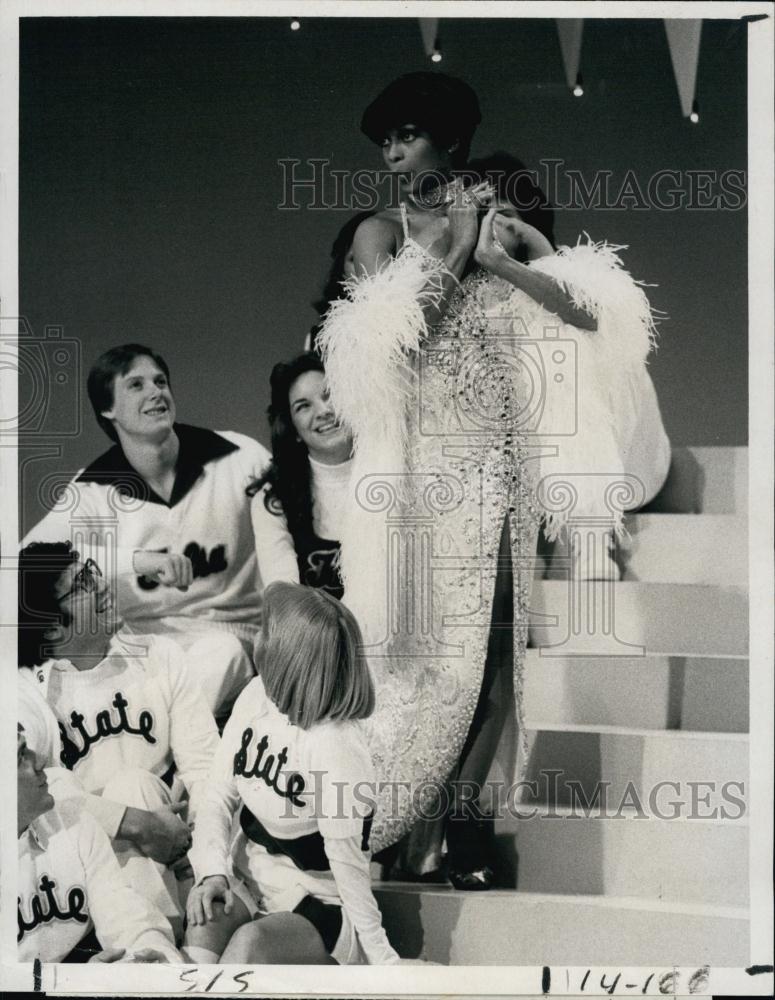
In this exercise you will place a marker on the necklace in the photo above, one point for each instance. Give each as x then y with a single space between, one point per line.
432 198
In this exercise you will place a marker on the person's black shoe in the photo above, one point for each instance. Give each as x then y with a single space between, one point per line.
472 881
470 851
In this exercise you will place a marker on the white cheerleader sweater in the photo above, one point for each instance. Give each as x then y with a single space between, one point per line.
69 882
41 732
109 512
305 801
137 708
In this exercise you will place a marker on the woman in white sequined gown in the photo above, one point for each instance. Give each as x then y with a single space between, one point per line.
436 361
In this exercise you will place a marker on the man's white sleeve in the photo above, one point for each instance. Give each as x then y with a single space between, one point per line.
84 517
122 917
193 733
258 457
64 786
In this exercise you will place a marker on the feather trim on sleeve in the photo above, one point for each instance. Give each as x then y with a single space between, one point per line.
587 451
595 277
367 341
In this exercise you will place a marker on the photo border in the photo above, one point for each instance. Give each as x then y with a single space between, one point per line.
435 980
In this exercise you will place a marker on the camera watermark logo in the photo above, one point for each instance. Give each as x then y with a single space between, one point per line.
437 601
93 538
411 505
508 383
577 616
48 370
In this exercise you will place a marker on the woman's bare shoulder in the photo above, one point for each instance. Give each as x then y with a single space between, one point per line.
388 220
381 231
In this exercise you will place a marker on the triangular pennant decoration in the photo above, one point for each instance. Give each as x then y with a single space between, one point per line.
429 29
570 30
683 38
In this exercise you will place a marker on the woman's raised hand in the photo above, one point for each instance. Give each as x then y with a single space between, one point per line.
199 906
489 252
463 212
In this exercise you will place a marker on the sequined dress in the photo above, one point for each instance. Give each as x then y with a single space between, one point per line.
467 473
464 473
420 553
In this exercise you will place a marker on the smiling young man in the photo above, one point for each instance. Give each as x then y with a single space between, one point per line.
128 714
164 511
73 902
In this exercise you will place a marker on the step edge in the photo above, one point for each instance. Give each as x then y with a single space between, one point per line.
629 814
598 901
733 589
658 515
534 653
710 735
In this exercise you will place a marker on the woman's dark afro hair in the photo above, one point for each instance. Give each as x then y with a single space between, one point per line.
443 106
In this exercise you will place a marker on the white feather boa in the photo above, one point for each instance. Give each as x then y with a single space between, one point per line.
607 359
368 340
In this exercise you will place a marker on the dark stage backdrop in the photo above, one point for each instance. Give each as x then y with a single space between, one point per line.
150 187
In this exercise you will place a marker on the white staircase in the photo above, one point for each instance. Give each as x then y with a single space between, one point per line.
503 927
663 698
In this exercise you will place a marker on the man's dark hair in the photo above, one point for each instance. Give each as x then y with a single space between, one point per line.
116 361
40 566
443 106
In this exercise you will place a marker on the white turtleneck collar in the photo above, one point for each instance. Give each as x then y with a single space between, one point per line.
331 497
323 471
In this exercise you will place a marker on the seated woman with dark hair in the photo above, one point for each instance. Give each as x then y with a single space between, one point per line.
299 500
